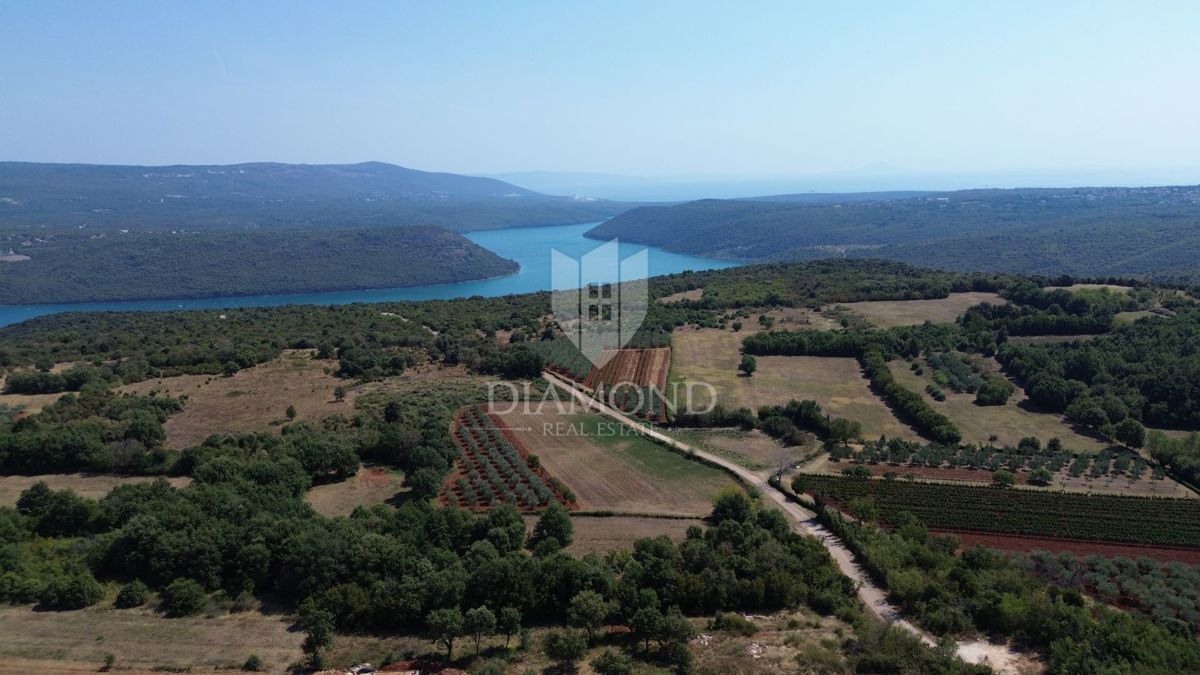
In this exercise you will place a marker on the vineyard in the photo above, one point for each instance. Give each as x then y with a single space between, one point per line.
494 471
633 380
1112 518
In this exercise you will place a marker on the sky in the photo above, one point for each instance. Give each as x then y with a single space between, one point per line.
635 88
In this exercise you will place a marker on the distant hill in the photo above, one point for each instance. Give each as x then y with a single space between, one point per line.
1152 232
274 195
86 266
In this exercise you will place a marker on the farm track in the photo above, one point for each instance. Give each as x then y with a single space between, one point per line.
1002 658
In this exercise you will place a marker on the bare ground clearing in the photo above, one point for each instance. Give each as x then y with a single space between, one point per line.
370 486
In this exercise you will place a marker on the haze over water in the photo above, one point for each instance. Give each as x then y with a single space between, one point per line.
529 246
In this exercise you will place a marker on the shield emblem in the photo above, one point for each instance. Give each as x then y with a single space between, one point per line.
600 300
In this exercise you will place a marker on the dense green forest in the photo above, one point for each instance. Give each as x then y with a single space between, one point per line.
83 266
266 195
1082 231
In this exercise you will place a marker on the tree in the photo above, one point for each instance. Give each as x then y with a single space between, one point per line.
612 662
731 504
841 430
864 509
1130 433
318 628
445 625
993 391
339 393
737 326
253 664
748 365
509 623
1003 478
425 483
589 610
184 597
647 624
1041 476
291 412
566 647
479 623
555 524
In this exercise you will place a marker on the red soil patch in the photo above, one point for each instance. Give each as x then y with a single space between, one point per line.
639 367
1004 542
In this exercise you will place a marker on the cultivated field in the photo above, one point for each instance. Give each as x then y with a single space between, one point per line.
629 372
90 485
1009 423
254 399
611 468
837 384
370 486
142 640
890 313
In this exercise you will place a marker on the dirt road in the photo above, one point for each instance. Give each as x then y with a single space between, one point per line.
1000 657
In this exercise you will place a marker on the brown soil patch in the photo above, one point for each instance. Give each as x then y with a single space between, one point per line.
370 486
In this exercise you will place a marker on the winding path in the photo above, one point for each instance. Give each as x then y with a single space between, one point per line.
999 656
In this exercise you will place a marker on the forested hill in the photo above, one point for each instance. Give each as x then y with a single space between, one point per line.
85 266
1083 231
273 195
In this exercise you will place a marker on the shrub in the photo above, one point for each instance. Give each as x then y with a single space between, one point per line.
184 597
253 664
132 594
72 591
734 623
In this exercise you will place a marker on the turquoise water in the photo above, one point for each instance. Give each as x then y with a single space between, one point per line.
529 246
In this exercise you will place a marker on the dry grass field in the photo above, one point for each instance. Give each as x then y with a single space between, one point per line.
1090 287
93 486
601 535
891 313
752 449
142 641
254 399
1009 422
27 403
610 468
370 486
694 294
712 356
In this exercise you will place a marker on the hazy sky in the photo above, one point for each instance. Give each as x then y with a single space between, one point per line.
647 87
